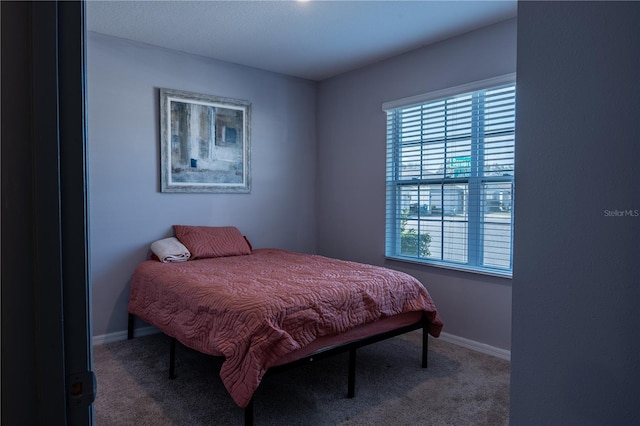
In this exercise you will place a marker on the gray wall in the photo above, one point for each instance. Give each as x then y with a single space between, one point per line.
576 285
336 184
127 211
351 170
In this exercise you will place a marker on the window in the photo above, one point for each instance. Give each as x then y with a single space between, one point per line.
450 185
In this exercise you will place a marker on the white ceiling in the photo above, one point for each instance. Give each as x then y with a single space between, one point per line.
313 39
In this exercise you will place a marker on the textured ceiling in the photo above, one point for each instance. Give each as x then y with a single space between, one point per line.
313 40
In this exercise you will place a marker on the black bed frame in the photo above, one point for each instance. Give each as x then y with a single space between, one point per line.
322 353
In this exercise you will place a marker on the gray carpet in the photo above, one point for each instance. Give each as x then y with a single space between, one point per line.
460 387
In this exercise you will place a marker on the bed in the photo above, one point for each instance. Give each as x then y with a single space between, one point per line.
266 310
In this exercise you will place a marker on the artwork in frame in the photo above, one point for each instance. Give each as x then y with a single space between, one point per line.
205 143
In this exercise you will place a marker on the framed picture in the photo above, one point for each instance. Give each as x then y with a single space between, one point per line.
205 143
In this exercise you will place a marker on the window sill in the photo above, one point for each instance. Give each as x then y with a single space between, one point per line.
488 272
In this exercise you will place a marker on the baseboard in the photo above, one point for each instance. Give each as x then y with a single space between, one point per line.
122 335
476 346
450 338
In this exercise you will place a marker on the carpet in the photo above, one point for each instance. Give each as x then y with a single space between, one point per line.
460 387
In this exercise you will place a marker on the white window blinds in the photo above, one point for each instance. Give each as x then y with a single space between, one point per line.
450 186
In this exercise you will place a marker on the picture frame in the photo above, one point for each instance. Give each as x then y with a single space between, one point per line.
205 143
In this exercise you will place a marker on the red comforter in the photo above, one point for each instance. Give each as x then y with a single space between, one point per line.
256 308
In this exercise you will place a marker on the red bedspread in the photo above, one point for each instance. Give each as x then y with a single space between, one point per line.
256 308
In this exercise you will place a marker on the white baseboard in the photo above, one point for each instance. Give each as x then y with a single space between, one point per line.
476 346
122 335
450 338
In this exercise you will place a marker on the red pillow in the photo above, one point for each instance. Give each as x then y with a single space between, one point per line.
212 241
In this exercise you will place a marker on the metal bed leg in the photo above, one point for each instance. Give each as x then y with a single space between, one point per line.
248 414
172 359
425 347
352 374
130 327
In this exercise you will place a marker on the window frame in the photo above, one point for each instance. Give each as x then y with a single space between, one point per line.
474 183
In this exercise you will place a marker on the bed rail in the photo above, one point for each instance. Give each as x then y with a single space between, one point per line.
350 347
318 355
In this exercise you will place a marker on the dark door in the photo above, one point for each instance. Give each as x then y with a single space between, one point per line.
46 352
